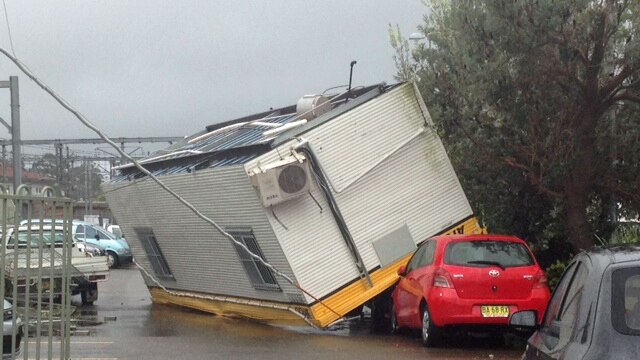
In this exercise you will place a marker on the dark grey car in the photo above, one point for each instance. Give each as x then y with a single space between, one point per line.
594 312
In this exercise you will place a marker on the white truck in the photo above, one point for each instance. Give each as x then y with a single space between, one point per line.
36 259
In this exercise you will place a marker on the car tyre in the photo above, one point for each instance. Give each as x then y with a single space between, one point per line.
430 333
112 259
90 294
393 322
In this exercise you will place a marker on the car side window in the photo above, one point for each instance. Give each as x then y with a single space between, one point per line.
80 232
563 307
429 251
90 232
423 256
103 234
625 300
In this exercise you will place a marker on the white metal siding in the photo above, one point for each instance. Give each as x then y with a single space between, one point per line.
415 186
200 258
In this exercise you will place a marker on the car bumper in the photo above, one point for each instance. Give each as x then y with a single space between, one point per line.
7 332
125 258
447 308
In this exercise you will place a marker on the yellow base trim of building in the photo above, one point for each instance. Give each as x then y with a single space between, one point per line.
322 313
263 311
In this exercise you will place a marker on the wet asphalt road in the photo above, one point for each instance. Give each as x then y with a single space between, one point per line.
124 324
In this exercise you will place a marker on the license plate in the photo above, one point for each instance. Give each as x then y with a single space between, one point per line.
494 311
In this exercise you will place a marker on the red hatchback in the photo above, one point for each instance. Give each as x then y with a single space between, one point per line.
477 280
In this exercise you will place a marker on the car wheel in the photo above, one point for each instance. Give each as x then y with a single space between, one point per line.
112 259
430 333
393 327
90 294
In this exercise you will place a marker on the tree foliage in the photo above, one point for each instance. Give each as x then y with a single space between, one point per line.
537 102
77 182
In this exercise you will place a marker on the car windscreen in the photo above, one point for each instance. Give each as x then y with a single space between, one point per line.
37 238
625 304
483 253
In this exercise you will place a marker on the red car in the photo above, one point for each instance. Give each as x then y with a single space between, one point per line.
476 280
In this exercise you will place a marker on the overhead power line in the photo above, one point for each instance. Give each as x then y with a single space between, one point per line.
121 140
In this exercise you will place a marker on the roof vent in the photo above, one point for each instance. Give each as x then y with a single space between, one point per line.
311 106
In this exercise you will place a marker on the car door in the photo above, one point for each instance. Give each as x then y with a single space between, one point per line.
410 288
554 338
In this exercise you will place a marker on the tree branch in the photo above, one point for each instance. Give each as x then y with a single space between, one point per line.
616 81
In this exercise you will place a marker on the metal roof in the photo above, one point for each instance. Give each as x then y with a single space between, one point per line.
231 143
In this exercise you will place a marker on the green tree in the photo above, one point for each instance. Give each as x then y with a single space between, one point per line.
46 165
537 102
74 178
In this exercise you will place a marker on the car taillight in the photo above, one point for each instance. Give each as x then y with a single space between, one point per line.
442 279
540 280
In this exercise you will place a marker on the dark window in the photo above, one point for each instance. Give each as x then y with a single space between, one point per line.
90 232
154 254
625 304
486 253
423 256
80 232
104 235
260 276
562 311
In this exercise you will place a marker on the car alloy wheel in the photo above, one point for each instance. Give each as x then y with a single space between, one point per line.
430 332
112 261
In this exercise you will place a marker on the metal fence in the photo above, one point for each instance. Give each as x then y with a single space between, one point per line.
37 274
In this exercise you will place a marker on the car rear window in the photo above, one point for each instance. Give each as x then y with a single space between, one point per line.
483 253
625 304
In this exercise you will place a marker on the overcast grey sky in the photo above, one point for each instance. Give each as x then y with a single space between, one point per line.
169 68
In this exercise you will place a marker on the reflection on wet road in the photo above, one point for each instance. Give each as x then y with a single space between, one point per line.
123 324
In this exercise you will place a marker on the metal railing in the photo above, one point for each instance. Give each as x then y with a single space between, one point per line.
37 274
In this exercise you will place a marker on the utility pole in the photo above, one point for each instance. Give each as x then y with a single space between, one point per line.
89 187
4 164
12 84
68 166
59 161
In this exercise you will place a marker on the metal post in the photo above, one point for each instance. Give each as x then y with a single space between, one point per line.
68 167
59 164
89 187
15 132
12 84
4 165
86 189
123 159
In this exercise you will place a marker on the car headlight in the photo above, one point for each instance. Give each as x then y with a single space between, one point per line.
8 314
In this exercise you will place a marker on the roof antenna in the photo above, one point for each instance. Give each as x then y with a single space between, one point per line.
351 75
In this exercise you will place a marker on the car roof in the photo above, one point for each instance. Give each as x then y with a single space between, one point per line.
477 237
48 221
39 226
613 254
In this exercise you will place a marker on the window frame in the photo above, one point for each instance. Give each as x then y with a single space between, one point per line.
157 260
260 276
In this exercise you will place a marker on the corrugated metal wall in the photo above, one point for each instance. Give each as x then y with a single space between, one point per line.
199 257
415 186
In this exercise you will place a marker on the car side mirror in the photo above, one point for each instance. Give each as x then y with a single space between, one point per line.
402 270
524 320
97 237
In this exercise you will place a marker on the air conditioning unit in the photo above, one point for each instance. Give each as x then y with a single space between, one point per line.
283 182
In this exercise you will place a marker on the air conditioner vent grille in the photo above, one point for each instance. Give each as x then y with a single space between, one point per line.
292 179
